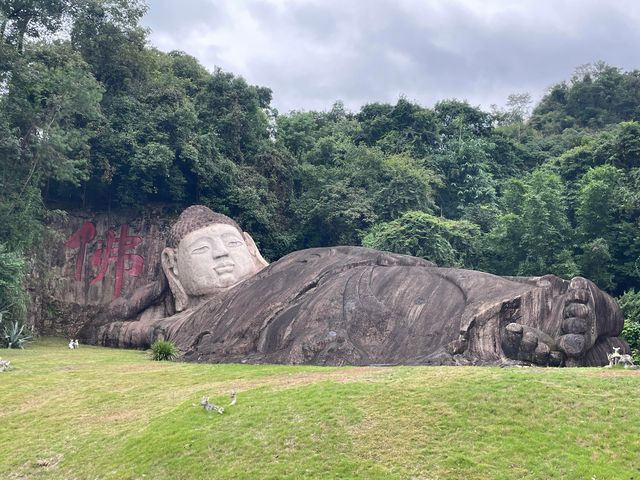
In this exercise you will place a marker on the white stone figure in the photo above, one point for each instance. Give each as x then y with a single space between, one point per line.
72 344
76 343
211 407
627 361
616 358
234 398
4 365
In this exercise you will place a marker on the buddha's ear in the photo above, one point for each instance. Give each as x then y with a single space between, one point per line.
170 269
253 250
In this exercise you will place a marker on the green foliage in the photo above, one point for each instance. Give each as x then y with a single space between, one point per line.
31 19
597 95
467 178
13 299
598 199
459 120
107 34
596 263
403 128
630 304
162 350
404 186
448 243
625 148
534 236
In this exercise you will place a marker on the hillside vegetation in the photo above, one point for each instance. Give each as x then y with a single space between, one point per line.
92 116
98 413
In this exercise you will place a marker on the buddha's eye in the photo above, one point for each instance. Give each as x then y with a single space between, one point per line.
199 250
234 243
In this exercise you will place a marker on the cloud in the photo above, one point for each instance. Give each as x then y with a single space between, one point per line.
313 52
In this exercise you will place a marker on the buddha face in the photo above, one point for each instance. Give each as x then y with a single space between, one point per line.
207 261
213 258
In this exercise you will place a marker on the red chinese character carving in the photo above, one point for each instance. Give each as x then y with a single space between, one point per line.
117 249
81 239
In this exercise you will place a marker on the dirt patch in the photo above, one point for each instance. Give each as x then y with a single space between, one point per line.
616 373
280 382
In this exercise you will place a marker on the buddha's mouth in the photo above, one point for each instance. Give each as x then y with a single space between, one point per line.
225 268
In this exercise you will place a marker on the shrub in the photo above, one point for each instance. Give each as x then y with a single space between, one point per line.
163 350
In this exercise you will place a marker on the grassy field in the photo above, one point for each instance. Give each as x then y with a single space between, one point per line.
98 413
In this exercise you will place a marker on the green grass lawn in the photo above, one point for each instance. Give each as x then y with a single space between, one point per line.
97 413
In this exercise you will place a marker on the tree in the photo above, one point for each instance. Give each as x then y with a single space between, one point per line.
467 180
51 105
595 263
625 151
534 236
404 186
458 119
13 298
107 34
31 19
598 202
596 96
546 240
404 127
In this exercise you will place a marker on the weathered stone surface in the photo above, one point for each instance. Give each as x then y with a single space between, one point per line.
578 296
529 342
384 308
542 353
574 325
576 310
572 344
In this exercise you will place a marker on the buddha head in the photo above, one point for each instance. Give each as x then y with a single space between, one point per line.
207 253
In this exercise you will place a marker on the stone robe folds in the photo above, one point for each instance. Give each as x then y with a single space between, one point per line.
356 306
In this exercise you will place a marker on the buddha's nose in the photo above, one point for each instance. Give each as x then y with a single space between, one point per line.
219 249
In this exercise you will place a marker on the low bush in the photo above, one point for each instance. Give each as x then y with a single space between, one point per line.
162 350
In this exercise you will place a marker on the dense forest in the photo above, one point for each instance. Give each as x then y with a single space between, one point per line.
92 116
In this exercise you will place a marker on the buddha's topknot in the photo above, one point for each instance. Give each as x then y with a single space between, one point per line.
195 218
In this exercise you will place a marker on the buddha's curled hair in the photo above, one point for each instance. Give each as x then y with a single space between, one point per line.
195 218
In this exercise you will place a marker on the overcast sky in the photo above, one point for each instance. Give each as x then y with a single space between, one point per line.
314 52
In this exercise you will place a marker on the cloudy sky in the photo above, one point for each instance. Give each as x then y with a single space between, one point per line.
313 52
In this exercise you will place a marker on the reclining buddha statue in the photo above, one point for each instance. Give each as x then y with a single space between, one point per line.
222 302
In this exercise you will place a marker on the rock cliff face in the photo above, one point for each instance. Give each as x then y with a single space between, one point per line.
88 260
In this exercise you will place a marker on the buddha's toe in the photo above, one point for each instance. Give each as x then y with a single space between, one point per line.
520 342
578 321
